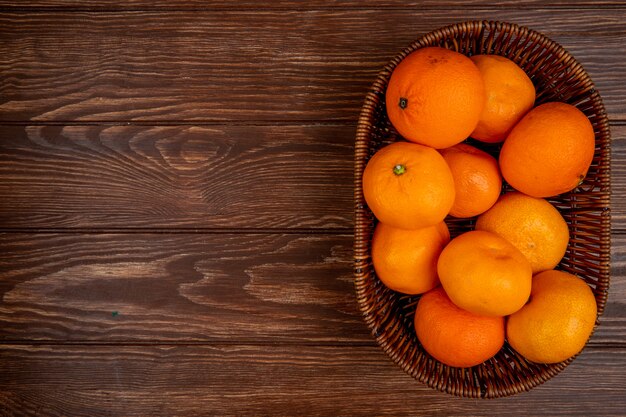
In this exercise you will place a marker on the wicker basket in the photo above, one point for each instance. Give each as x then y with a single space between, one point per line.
557 77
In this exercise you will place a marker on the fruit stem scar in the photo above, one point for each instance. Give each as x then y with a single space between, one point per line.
403 103
399 169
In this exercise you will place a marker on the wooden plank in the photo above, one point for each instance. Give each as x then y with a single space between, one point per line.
613 322
268 177
618 178
144 287
108 5
201 287
273 380
248 65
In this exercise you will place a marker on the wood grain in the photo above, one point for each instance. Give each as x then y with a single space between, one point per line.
247 65
176 207
109 5
250 177
178 287
272 380
278 288
618 178
271 177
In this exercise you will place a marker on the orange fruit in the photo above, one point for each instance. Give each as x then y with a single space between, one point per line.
510 94
409 186
435 97
406 260
485 274
477 179
532 225
557 321
549 151
454 336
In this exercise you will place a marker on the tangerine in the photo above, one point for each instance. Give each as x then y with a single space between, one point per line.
477 179
532 225
485 274
408 186
549 151
435 97
454 336
510 94
557 321
406 260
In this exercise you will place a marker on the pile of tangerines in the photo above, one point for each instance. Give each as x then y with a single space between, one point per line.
497 282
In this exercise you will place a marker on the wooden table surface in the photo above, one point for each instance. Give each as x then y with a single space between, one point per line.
176 207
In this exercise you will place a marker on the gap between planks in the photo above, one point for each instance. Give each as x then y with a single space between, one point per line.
344 232
168 123
451 7
182 231
234 342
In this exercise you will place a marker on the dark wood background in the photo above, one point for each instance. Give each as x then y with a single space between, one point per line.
176 207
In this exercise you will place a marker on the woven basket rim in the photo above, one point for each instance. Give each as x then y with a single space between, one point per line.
362 214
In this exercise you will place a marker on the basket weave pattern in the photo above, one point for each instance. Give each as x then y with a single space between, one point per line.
557 77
